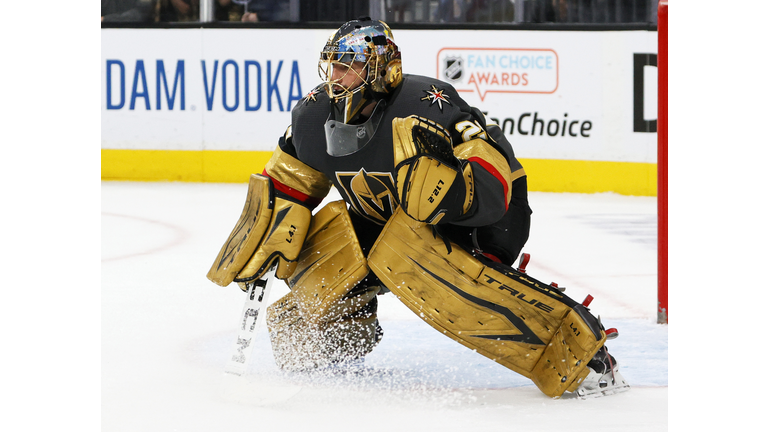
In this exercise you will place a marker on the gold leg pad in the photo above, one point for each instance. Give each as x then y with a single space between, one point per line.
563 365
508 317
322 320
301 344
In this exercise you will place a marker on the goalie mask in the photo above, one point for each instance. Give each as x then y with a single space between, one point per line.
359 63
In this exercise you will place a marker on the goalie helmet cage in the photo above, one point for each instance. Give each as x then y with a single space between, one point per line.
663 309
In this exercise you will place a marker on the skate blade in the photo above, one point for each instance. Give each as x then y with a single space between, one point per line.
597 393
619 385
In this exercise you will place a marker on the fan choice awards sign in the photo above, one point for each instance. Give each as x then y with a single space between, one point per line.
499 70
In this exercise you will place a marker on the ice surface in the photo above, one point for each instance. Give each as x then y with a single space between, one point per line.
167 331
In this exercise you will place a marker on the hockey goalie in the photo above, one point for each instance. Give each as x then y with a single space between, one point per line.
434 211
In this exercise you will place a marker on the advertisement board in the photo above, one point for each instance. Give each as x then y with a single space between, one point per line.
579 101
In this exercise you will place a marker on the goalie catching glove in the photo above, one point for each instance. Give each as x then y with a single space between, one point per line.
433 185
271 230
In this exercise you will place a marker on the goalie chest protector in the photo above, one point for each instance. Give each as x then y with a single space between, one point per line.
366 177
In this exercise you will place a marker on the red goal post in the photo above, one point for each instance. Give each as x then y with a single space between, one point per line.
663 309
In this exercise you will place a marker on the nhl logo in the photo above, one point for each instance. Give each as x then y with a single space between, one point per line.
453 68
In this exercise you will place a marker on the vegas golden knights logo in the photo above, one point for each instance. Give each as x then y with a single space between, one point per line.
371 194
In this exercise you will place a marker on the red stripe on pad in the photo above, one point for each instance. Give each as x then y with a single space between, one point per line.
494 172
310 201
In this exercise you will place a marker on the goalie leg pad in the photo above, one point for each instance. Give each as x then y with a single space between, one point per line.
327 317
303 344
506 316
561 366
331 262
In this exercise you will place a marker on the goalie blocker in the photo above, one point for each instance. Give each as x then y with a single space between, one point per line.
328 317
271 230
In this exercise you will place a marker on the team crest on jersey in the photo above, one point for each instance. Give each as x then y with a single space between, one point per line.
453 68
371 194
436 96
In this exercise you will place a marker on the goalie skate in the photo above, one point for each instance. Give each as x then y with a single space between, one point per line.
604 378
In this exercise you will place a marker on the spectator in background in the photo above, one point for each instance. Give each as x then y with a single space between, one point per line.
127 10
266 10
451 11
486 11
540 11
178 10
227 10
491 11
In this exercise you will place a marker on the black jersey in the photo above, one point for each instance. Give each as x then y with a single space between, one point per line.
365 178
